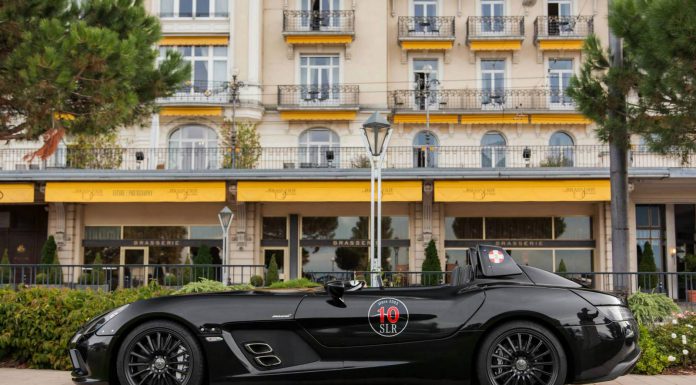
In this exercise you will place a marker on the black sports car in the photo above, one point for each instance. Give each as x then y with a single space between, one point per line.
496 323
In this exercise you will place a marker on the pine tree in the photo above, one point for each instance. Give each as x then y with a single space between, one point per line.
431 264
86 67
272 275
203 257
5 272
647 265
562 267
48 251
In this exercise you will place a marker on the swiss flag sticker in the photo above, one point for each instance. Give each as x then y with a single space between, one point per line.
495 256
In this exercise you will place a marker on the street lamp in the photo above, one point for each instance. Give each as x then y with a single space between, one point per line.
225 216
425 92
376 134
234 86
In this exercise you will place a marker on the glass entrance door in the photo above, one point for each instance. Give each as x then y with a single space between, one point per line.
134 271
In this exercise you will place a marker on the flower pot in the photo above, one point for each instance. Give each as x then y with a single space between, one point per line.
691 296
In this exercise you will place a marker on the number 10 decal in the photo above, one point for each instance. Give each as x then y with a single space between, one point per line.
388 317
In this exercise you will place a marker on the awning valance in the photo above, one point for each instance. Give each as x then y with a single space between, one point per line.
579 190
326 191
130 192
16 193
194 40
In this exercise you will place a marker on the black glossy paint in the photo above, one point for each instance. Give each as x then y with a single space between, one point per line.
324 341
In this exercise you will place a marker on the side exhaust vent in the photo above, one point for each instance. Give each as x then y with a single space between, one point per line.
257 348
268 361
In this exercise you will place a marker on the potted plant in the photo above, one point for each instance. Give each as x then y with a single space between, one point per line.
94 278
50 273
690 266
5 269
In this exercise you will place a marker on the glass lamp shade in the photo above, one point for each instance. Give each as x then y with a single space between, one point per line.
225 215
376 130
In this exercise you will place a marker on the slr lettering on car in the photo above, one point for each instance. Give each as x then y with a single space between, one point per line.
388 317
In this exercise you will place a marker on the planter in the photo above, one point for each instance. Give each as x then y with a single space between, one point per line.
691 296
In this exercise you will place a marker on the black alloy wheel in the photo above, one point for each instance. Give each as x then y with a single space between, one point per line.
160 353
521 353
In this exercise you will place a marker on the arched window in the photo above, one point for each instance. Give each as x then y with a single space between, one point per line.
193 148
493 148
562 150
425 146
319 147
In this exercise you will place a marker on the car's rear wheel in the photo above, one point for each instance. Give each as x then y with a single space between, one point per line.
521 353
160 352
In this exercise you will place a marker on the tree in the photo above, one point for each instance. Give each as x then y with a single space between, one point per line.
431 264
562 267
49 256
203 257
86 67
5 272
247 150
272 274
48 251
646 264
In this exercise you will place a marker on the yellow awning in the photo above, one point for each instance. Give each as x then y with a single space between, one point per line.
326 191
128 192
436 45
16 193
495 45
561 45
194 40
579 190
318 115
560 119
319 39
420 118
191 111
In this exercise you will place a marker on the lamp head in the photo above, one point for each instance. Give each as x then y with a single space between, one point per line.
376 129
225 216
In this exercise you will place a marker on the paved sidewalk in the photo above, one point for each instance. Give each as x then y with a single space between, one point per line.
52 377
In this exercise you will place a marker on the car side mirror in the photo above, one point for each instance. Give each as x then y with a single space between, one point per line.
336 289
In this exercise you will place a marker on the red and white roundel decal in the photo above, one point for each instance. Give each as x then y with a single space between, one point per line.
388 317
496 256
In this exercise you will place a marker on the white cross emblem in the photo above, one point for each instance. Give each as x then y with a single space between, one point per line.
496 256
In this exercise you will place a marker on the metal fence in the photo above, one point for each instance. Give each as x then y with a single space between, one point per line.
426 28
482 100
111 277
319 96
563 27
302 22
681 286
325 157
491 27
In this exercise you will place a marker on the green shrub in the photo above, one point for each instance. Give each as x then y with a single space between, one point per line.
210 286
651 361
203 257
646 264
256 281
171 280
5 272
651 308
431 264
96 276
562 267
272 276
186 273
294 284
49 251
49 256
36 324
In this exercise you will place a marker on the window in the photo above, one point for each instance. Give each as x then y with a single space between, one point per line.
275 228
193 148
208 67
650 234
319 78
319 147
562 150
193 8
425 146
492 12
425 21
560 72
425 80
206 232
560 21
102 233
493 148
323 16
572 228
492 84
463 228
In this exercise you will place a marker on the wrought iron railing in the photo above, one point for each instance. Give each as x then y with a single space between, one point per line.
319 96
681 286
491 27
426 28
110 277
202 14
205 92
477 100
324 22
323 157
563 27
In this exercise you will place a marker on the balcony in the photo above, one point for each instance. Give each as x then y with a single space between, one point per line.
319 27
322 157
497 33
330 102
426 33
562 32
199 93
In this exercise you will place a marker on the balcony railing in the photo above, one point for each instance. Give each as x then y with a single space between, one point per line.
477 100
325 157
322 97
322 22
205 93
494 27
563 27
192 15
426 28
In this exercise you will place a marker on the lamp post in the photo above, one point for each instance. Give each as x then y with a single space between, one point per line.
234 86
376 134
225 216
425 90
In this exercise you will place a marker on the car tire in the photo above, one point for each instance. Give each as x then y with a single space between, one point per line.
158 349
521 352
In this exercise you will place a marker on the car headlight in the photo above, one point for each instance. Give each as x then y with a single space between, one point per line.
616 313
99 322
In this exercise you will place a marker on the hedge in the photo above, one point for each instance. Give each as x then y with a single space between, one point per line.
36 324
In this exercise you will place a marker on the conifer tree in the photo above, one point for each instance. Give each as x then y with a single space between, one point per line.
431 264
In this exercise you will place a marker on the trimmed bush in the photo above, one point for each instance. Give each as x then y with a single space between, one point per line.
562 267
203 257
36 324
256 281
646 264
97 276
272 276
431 264
49 256
209 286
171 280
294 284
6 271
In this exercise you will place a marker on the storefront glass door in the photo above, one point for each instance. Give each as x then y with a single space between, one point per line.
135 273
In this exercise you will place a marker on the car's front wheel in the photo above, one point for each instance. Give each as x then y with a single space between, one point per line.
521 353
159 352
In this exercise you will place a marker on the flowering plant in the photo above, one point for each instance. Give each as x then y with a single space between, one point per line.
668 344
